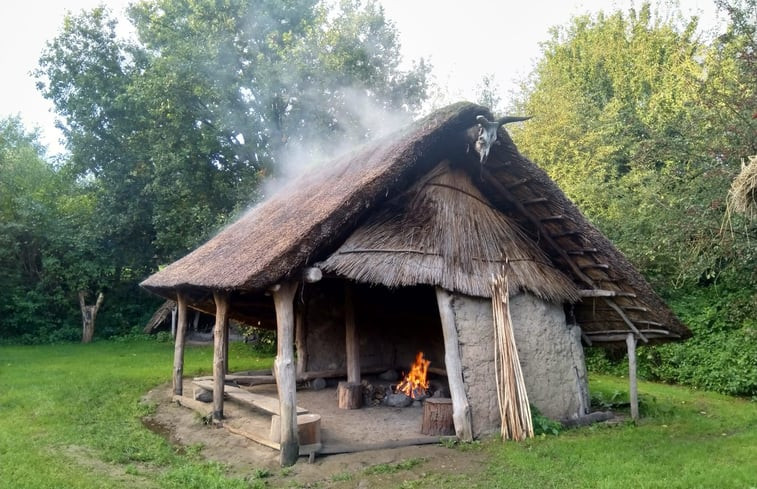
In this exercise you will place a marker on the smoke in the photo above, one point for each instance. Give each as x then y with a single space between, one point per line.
360 118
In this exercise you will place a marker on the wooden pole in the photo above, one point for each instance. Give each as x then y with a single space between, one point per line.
226 346
179 342
352 341
300 341
633 391
283 298
461 414
219 361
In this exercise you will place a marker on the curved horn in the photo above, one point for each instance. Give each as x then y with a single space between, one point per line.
508 119
481 119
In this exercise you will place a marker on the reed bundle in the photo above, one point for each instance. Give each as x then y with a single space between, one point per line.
743 194
514 409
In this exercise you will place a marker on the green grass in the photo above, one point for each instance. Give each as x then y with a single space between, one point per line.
64 405
687 439
70 418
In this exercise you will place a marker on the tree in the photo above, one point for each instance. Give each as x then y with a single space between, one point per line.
49 250
644 125
179 128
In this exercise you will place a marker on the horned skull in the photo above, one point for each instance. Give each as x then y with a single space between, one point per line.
485 134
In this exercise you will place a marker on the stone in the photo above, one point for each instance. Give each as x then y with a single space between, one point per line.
318 384
398 400
202 395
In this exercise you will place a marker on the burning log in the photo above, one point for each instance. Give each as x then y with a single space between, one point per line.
415 383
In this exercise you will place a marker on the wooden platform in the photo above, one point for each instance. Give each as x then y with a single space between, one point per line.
258 401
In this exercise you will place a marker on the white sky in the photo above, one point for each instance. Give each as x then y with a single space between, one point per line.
453 35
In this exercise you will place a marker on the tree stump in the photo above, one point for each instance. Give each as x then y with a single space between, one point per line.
350 395
308 429
437 417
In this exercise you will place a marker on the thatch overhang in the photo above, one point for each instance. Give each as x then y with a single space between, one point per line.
320 215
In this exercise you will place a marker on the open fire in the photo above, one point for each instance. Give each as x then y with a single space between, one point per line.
415 384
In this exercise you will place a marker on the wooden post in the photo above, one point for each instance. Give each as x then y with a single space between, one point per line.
300 341
460 408
286 383
352 340
226 346
179 342
633 391
219 361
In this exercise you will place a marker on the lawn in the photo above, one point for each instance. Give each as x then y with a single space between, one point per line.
71 419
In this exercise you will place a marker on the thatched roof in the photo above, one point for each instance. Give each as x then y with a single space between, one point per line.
373 198
420 237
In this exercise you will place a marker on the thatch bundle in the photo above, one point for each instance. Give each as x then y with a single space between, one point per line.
443 231
743 193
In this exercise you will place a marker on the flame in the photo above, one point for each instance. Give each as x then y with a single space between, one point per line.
415 382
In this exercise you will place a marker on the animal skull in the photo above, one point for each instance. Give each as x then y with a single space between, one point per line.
486 134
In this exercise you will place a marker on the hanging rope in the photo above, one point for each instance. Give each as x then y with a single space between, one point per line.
514 409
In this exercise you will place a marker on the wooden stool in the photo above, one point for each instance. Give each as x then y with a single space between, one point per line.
308 429
437 417
350 395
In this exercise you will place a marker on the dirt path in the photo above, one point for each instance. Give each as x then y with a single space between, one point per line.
376 468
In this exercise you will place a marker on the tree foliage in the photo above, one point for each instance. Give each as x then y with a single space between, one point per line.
171 133
644 125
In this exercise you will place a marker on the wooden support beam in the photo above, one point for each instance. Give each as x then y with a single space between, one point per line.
625 319
558 217
351 337
220 342
516 183
604 293
179 342
538 225
603 266
633 390
636 308
538 200
461 411
620 337
564 234
300 342
283 298
662 332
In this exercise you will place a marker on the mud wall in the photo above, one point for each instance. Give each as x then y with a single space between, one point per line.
550 352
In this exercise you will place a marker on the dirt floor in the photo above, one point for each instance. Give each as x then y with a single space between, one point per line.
185 428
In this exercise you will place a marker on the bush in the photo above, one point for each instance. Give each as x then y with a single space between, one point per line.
719 357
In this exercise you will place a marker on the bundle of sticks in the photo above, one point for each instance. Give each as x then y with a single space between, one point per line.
514 409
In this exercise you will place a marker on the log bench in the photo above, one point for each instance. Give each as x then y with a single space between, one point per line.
267 404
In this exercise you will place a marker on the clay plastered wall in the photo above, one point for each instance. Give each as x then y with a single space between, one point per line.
550 352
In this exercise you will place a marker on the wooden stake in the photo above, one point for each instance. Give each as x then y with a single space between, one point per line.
300 341
351 337
633 392
283 298
461 414
179 342
219 362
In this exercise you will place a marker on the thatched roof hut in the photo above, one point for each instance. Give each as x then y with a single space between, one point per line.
309 220
391 249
